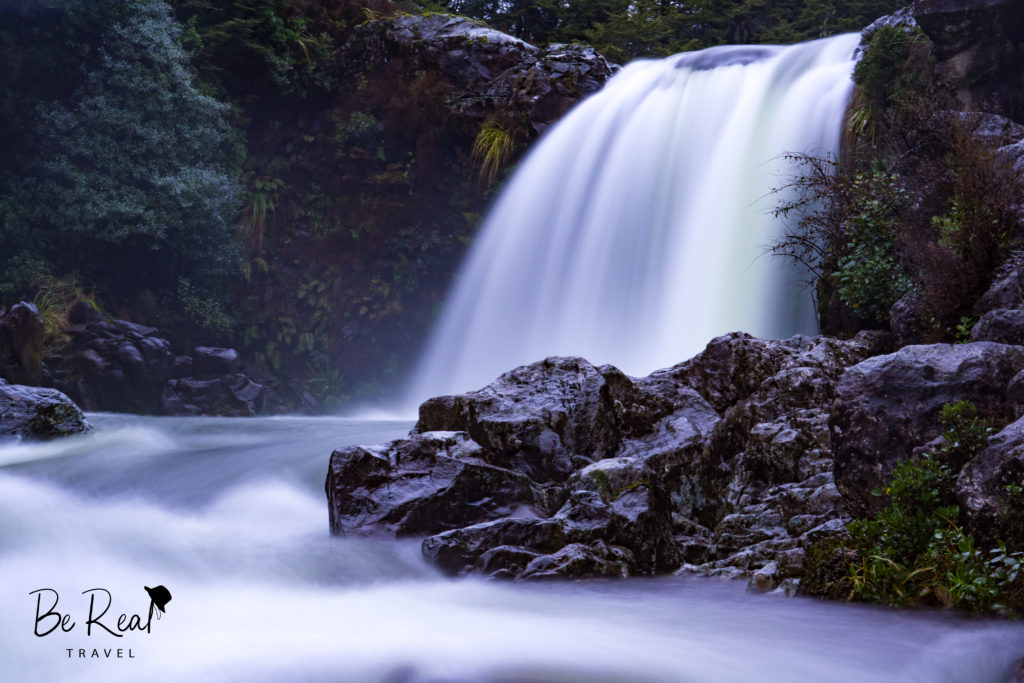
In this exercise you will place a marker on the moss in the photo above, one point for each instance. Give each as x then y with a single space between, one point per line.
827 569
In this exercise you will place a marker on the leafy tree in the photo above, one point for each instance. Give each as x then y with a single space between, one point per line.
134 181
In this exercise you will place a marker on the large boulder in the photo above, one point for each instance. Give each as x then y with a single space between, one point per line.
888 405
38 413
990 489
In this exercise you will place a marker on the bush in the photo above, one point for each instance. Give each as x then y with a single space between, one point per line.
134 181
847 227
913 552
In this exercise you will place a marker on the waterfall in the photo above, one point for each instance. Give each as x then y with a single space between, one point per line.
636 229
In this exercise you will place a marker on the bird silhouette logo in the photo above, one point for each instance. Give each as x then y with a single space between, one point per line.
159 596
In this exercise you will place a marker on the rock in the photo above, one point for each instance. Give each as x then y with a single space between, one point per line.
38 413
990 489
978 48
422 485
579 561
1007 289
887 405
907 321
83 312
207 360
468 52
563 468
487 71
21 343
234 395
547 84
993 130
1002 325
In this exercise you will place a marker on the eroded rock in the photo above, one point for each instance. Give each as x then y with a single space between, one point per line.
888 405
720 465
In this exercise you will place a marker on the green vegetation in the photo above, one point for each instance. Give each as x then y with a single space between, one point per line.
491 149
627 29
131 179
913 552
868 235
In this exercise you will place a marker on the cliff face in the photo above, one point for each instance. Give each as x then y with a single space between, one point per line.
979 47
367 197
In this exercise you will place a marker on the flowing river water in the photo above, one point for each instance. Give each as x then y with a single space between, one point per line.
230 516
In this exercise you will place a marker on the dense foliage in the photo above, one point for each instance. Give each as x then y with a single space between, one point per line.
913 551
921 211
131 180
628 29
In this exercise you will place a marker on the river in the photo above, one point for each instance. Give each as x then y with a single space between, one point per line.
229 515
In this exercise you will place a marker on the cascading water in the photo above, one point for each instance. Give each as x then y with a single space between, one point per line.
636 230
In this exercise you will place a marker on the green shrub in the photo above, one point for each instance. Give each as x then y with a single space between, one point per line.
913 551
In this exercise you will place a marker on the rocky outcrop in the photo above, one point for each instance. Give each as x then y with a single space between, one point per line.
116 365
719 465
990 489
487 71
1000 310
888 405
978 48
37 413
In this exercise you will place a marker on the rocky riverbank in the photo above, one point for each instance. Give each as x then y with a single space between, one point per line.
733 463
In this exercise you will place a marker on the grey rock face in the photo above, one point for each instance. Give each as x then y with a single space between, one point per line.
888 405
990 488
488 70
560 468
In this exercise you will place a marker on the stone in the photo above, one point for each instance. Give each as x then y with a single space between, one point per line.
1002 325
38 413
978 48
422 485
990 489
208 360
561 468
887 405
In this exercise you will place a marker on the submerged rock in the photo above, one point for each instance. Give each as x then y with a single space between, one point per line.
560 468
38 413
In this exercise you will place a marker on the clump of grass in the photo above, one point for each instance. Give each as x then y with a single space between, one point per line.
491 149
53 298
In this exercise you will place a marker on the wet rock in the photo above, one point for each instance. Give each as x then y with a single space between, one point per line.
722 462
990 489
38 413
579 561
887 405
208 360
425 484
